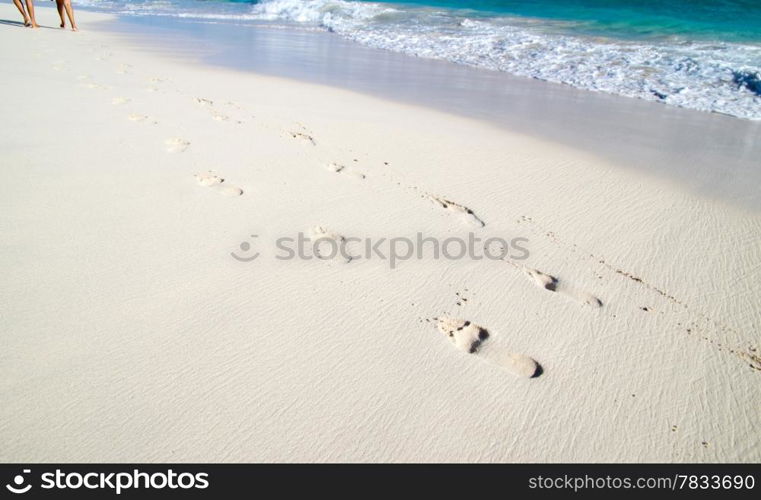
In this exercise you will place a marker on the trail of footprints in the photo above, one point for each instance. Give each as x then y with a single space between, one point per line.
468 338
465 336
697 325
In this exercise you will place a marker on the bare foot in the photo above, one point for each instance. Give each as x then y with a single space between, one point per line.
35 25
63 25
74 28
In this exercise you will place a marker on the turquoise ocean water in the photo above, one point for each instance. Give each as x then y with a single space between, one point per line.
699 54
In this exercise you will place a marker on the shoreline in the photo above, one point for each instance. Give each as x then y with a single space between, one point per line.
692 69
646 136
133 336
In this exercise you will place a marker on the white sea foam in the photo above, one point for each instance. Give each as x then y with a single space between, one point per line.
720 77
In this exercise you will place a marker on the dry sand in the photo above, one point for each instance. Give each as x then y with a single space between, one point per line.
131 333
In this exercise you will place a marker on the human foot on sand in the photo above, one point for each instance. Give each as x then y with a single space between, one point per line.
28 14
21 10
65 6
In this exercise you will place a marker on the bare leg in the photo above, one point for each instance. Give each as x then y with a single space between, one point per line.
70 13
20 8
30 9
59 6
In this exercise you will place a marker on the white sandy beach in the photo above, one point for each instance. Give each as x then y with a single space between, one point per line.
129 332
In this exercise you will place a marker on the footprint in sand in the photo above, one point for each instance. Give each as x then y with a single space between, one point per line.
209 104
342 169
552 284
467 214
229 191
470 338
137 117
96 86
302 135
212 180
118 101
697 324
337 247
176 145
208 179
